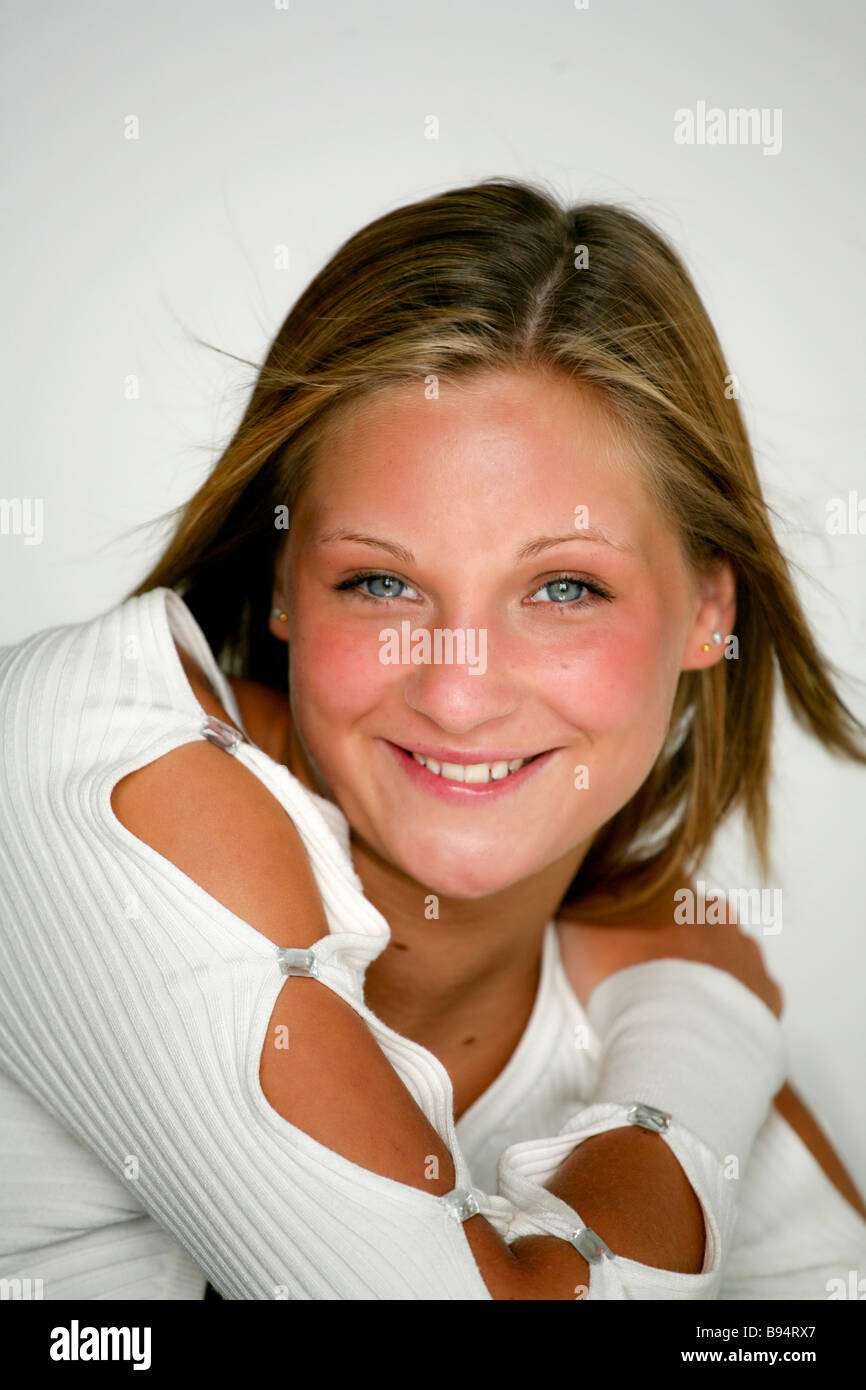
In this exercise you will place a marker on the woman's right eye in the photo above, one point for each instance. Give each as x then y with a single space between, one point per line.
391 584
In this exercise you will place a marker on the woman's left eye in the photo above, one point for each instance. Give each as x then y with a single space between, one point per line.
562 590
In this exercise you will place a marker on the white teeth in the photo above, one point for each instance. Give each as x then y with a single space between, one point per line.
477 772
471 772
456 771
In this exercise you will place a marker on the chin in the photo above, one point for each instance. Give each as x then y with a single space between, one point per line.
462 876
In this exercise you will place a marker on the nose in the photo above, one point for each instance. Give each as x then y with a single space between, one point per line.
460 685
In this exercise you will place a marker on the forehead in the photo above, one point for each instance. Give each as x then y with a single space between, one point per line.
543 412
493 399
520 449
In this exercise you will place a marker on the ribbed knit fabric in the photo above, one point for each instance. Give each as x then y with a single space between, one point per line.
138 1155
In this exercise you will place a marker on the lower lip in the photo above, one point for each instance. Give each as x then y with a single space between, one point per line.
464 792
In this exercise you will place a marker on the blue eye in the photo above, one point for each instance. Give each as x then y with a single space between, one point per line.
562 590
392 586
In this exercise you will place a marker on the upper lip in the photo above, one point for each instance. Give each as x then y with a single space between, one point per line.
450 755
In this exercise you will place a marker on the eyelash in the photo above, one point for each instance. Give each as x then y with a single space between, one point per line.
598 591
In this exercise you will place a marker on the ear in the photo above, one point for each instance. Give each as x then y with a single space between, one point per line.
716 611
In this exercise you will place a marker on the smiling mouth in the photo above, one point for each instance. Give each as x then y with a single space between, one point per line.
476 773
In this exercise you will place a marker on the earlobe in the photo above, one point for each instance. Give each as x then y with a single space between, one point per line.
279 619
701 654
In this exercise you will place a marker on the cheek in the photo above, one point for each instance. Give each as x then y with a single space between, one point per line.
616 693
611 681
336 674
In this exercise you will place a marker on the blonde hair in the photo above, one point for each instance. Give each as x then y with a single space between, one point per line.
501 275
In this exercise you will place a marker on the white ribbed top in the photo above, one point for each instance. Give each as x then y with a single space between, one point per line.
139 1156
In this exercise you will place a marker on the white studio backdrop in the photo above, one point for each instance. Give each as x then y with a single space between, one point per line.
157 157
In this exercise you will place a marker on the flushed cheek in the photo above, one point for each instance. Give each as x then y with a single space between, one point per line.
337 676
615 696
609 684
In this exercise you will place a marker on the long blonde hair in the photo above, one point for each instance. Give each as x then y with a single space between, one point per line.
501 275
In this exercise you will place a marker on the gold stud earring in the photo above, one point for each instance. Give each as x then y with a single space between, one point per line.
281 614
717 637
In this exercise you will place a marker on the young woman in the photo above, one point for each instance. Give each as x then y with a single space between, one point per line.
340 862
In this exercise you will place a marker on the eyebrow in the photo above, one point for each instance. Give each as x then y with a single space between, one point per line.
534 547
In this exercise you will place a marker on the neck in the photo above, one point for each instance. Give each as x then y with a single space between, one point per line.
468 970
